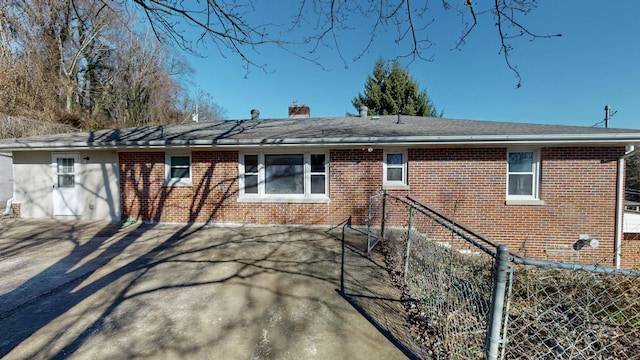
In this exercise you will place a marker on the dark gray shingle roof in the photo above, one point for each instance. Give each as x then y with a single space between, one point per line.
330 130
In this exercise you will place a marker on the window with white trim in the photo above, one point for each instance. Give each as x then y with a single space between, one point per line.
523 175
283 175
178 169
251 174
318 173
395 168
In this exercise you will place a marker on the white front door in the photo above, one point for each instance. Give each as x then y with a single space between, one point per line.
66 185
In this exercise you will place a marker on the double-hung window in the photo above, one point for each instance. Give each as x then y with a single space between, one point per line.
178 169
318 173
523 175
395 169
283 175
251 174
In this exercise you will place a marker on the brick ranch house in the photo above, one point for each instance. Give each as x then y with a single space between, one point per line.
524 185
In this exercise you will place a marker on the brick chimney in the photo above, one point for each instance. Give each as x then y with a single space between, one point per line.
299 111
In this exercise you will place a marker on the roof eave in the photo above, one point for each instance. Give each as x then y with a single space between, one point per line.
540 140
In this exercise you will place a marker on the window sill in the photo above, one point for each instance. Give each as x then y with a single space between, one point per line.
532 202
177 184
395 187
313 200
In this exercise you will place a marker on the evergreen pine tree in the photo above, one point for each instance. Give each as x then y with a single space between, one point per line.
390 89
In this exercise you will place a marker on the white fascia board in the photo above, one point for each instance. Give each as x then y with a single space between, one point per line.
435 141
540 140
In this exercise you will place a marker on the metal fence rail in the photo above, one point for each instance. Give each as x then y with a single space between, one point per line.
470 305
447 272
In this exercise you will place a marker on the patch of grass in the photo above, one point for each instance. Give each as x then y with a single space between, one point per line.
127 222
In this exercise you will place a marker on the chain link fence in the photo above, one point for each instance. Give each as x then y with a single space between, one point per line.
466 305
557 313
374 221
447 277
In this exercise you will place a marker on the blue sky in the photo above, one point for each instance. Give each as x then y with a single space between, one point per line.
565 81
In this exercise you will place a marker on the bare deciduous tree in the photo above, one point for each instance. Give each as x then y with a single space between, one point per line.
204 107
81 62
142 92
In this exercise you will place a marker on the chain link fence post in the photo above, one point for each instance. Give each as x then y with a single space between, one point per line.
384 213
493 340
406 257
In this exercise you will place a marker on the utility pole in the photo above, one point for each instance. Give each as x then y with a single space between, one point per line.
608 114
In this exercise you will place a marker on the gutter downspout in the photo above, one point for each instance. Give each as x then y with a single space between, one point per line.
7 209
632 150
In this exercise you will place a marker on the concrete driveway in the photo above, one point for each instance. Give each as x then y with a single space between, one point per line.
95 290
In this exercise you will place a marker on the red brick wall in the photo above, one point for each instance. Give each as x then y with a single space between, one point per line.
631 251
578 188
354 175
144 196
15 210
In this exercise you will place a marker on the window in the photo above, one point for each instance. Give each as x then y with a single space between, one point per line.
522 175
178 169
251 174
286 176
395 168
66 173
318 174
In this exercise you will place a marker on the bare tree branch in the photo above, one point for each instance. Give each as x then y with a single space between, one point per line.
226 24
503 11
468 29
505 48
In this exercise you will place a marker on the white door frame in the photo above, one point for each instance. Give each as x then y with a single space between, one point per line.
67 200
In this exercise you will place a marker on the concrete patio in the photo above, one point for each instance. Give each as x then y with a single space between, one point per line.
77 289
